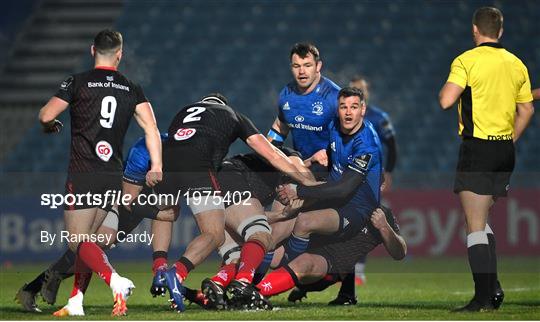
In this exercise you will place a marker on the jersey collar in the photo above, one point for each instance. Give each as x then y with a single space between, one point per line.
492 44
106 68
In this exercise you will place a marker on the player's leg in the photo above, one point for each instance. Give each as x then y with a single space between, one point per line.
78 223
324 221
251 224
46 283
210 219
214 288
90 257
305 269
476 208
162 232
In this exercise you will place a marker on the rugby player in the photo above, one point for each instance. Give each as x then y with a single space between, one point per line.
137 166
330 257
383 126
199 138
102 102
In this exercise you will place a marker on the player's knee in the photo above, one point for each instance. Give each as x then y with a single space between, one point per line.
217 238
263 238
303 266
303 225
230 252
256 227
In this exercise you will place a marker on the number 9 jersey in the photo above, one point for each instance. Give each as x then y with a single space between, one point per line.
102 102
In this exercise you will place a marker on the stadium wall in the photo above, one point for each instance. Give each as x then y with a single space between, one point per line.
430 221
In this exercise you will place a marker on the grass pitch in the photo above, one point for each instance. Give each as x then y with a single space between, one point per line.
414 289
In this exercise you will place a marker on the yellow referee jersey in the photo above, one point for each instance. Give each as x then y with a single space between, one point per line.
494 80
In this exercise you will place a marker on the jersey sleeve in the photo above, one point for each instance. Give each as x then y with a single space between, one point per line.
246 128
137 164
281 116
524 93
458 73
66 89
139 95
386 129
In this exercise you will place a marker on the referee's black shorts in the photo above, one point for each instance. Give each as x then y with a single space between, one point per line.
484 167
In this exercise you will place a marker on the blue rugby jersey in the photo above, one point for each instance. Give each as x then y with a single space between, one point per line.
138 162
361 153
308 116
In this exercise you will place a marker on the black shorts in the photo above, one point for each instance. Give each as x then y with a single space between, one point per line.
484 167
188 174
87 188
342 252
238 182
351 219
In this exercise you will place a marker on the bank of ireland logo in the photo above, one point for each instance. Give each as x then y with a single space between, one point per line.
317 108
299 118
104 150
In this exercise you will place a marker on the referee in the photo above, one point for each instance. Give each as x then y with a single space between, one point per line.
495 107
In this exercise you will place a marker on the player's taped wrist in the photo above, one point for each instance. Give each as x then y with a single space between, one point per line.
53 126
275 136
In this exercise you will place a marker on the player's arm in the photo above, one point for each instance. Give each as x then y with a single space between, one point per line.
48 114
395 244
132 190
147 121
335 190
277 158
278 132
449 94
301 167
524 113
455 84
320 157
536 94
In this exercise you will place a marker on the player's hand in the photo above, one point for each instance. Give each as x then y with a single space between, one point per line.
154 176
53 127
286 193
320 157
292 209
387 182
378 219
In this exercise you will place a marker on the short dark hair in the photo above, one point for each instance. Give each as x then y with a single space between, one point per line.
351 91
217 98
359 77
302 49
107 42
489 21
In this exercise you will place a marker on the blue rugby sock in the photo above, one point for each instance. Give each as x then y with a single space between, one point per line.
294 247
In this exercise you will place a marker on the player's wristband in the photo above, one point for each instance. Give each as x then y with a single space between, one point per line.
275 136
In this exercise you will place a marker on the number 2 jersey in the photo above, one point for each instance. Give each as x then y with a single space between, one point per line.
200 136
102 102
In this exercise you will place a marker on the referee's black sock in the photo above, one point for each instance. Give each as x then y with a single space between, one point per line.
493 258
479 260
